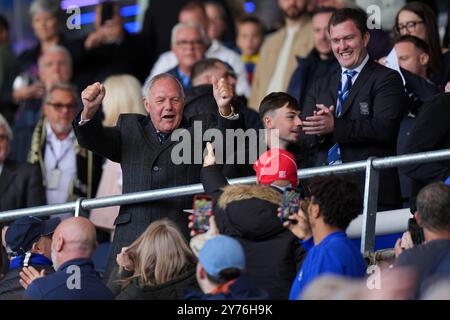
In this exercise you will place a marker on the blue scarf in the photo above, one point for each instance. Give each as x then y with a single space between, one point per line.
29 259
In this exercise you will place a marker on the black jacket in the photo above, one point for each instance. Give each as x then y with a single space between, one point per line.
430 131
171 290
200 100
10 287
307 71
146 165
419 92
249 214
368 125
20 186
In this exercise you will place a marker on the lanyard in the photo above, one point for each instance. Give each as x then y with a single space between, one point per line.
58 160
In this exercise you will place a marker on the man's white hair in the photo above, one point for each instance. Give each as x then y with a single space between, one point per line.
188 25
57 48
47 6
151 81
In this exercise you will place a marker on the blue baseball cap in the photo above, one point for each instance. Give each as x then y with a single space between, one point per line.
220 253
447 182
23 232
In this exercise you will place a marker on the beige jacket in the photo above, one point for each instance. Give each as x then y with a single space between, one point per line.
110 185
301 46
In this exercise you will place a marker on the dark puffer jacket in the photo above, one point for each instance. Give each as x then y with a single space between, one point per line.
249 214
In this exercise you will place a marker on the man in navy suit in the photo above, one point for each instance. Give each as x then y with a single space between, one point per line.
354 112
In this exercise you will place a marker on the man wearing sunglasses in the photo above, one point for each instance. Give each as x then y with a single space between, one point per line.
69 171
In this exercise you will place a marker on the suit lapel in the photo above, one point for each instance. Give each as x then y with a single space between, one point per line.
359 83
334 85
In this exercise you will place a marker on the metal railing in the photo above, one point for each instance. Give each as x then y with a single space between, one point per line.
371 167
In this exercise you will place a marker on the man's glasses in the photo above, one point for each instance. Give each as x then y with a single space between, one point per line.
410 26
185 43
60 106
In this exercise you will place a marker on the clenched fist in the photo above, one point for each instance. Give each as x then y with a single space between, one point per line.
223 93
92 98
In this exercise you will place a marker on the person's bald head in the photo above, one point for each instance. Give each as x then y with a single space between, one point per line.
74 238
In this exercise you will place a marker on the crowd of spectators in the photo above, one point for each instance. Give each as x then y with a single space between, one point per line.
100 115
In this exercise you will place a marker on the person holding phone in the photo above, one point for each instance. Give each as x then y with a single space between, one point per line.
431 259
320 224
108 25
248 213
354 112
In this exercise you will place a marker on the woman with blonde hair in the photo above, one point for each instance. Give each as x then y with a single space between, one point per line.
157 265
123 95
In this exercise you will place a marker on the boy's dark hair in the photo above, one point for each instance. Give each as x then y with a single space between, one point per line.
433 206
358 16
339 200
275 101
4 25
204 65
320 10
417 42
252 19
224 276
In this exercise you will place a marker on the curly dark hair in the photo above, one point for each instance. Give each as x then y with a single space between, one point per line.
340 200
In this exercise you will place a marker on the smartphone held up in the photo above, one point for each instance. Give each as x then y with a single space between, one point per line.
290 204
203 209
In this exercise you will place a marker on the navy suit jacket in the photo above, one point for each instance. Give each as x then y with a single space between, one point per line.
368 125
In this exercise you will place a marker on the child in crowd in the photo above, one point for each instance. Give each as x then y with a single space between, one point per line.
250 35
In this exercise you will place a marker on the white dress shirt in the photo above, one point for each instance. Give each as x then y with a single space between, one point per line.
357 69
60 153
168 60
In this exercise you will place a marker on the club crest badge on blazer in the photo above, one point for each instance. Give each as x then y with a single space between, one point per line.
364 109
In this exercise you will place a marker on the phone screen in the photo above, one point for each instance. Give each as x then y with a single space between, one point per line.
203 209
290 203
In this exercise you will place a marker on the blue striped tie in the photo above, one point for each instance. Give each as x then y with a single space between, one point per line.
344 91
334 154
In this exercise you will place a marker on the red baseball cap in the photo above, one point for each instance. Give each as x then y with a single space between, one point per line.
276 164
